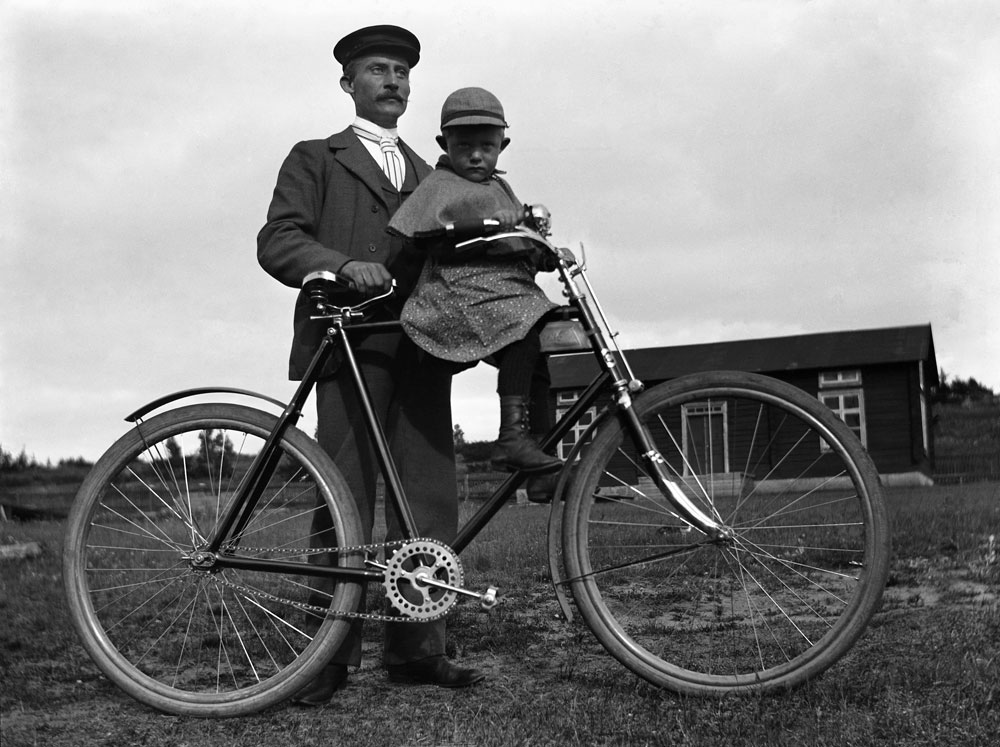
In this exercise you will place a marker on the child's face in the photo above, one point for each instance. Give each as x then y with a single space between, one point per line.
473 149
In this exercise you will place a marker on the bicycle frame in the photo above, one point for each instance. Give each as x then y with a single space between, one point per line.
200 598
615 377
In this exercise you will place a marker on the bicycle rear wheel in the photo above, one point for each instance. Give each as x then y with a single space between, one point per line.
780 601
215 642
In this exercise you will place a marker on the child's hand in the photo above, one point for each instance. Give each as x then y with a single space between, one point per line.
507 218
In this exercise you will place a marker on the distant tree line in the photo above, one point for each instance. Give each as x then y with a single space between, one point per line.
960 390
22 469
24 462
475 455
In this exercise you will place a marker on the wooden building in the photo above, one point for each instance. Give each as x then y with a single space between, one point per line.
878 381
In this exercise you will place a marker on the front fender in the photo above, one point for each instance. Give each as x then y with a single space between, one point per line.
185 393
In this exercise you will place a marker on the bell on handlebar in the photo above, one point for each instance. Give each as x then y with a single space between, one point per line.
538 217
318 287
332 295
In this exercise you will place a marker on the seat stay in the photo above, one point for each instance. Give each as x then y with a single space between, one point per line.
239 511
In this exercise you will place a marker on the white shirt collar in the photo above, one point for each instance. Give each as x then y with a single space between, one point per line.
363 124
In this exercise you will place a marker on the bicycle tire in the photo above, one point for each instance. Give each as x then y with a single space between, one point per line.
207 643
780 602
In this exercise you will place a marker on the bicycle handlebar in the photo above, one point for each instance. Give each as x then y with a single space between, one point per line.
485 232
471 229
322 286
328 276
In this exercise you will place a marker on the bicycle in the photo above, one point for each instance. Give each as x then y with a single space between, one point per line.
720 532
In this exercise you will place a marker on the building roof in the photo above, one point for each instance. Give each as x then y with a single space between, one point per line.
824 350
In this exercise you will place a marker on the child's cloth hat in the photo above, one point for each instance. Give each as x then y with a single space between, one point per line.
472 106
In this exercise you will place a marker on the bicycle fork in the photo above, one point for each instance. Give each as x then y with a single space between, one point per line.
656 467
624 384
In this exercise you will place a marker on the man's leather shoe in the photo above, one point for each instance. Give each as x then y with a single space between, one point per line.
434 670
542 488
331 678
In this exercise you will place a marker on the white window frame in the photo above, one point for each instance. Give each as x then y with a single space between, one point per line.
838 379
834 399
702 409
565 400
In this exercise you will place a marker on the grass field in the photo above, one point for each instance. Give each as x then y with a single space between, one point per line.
927 672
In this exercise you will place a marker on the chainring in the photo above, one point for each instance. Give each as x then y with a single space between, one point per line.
422 558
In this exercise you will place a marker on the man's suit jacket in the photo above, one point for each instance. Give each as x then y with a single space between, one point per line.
332 204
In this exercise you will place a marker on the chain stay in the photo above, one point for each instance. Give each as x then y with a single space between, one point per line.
325 611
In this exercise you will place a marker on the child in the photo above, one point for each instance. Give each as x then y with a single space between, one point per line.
467 309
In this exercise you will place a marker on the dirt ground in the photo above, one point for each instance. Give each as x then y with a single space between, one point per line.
546 651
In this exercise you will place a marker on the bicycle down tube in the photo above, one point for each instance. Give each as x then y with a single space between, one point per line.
240 510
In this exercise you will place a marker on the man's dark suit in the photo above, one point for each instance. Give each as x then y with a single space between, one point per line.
331 205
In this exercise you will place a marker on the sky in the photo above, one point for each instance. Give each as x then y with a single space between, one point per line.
734 169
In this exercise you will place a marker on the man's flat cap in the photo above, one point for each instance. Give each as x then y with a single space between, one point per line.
375 39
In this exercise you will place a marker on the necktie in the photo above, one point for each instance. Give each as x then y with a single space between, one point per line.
392 164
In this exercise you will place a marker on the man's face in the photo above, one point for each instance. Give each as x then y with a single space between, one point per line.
473 149
380 89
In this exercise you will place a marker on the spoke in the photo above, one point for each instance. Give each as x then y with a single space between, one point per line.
702 493
746 467
639 561
794 565
653 506
223 649
260 639
640 525
168 505
184 640
160 536
782 527
751 606
238 635
156 459
786 507
775 603
169 582
153 644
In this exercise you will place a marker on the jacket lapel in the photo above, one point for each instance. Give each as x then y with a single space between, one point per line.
354 157
349 151
416 169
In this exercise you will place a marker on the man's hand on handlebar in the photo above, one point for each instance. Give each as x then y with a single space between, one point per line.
369 278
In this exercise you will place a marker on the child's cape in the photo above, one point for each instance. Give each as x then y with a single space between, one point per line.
444 197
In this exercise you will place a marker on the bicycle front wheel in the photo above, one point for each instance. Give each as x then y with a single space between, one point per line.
204 641
782 599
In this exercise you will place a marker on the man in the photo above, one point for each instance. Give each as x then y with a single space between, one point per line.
330 209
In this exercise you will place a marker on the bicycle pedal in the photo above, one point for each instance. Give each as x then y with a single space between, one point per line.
488 600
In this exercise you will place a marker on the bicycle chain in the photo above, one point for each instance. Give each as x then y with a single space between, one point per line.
325 611
320 550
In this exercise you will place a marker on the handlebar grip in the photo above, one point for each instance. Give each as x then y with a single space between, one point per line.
470 229
331 277
322 286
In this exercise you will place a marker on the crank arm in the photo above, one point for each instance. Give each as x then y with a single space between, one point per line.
487 599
